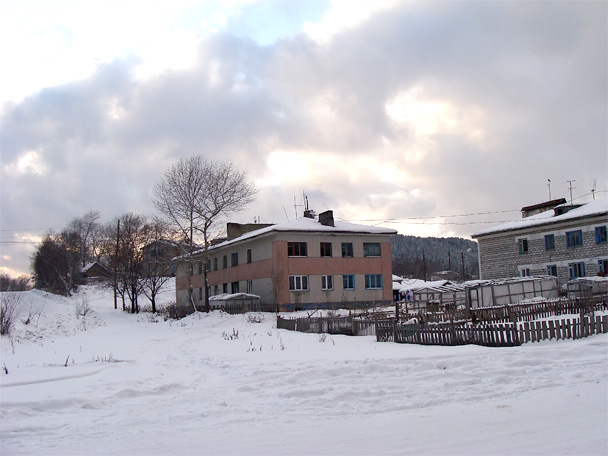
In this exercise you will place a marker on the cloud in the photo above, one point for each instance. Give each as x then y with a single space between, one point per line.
404 111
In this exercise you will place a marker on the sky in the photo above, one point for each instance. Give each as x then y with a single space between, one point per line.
432 118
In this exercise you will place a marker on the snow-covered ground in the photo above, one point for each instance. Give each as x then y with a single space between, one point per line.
121 384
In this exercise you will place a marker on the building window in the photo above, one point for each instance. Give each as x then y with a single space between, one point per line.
296 249
216 289
225 288
602 267
327 282
348 282
523 245
325 249
215 264
250 286
225 261
525 272
248 256
373 281
576 270
550 242
552 270
574 238
298 283
200 294
600 234
234 260
347 249
234 287
200 267
371 249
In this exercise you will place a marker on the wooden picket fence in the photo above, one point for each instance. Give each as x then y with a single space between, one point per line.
492 335
514 312
331 325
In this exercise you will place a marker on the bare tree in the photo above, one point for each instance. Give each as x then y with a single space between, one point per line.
157 270
193 196
85 228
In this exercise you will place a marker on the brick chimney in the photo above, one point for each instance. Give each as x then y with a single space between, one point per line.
327 218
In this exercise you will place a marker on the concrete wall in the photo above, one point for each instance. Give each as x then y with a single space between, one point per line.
500 258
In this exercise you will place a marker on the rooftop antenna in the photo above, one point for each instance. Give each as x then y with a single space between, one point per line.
285 213
549 185
570 182
296 206
593 188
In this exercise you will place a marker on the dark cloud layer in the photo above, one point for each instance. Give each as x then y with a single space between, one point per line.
517 93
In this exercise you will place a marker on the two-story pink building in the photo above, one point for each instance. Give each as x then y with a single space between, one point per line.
302 264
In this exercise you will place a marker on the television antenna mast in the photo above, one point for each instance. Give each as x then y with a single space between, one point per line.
593 188
570 188
549 185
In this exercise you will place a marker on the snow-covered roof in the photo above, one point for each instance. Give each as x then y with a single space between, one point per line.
232 296
306 224
593 208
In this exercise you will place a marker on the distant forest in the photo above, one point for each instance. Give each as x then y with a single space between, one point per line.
413 256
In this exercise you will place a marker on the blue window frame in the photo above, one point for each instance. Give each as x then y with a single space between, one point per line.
602 266
348 281
552 270
576 270
600 234
550 242
373 281
574 238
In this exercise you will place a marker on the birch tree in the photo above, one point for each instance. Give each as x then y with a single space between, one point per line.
194 195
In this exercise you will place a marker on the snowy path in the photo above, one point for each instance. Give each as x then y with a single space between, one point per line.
214 384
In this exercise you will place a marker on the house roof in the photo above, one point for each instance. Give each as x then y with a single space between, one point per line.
593 208
308 225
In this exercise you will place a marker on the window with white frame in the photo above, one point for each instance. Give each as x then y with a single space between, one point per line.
373 281
298 283
250 286
327 282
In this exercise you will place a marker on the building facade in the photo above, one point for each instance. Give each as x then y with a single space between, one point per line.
566 242
304 264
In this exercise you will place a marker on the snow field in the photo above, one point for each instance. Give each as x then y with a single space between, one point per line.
221 384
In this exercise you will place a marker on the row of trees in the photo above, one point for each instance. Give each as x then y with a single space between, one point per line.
191 199
59 263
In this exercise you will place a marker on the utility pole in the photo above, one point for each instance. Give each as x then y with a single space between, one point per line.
116 263
462 262
549 185
424 265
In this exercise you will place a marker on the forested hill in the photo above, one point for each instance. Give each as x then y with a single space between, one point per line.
441 254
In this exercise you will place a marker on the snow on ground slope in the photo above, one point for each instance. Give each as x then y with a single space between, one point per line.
220 384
